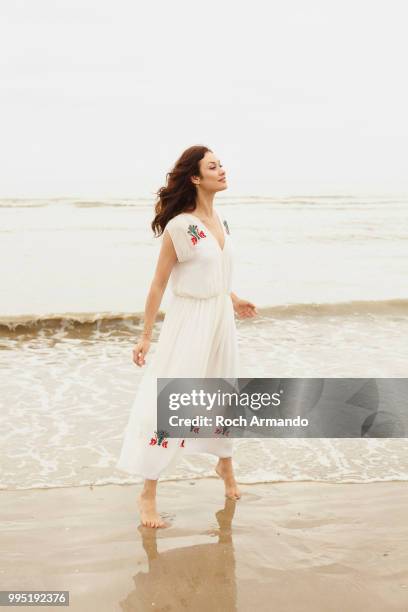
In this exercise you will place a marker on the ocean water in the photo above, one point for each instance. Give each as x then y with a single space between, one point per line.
328 275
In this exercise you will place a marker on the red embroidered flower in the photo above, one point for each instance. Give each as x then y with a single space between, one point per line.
195 233
222 430
159 439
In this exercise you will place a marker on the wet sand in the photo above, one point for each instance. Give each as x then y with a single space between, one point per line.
288 546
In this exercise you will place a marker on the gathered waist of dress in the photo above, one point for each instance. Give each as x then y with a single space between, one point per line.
194 297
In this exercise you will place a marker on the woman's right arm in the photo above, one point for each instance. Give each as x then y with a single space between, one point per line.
166 260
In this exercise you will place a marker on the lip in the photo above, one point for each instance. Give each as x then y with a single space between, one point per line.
222 180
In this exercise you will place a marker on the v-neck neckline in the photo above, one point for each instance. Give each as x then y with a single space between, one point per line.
211 234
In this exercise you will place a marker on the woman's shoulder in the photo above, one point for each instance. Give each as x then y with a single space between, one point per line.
180 232
178 220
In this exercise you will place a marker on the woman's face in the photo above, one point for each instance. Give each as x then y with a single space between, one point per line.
213 176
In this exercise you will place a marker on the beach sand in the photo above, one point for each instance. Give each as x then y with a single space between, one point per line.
300 546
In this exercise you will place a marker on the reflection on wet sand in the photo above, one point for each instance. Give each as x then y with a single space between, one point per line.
198 577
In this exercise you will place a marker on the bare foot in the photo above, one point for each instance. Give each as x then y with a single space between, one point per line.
225 471
148 513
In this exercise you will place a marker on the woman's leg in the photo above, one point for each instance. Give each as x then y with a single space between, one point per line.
225 363
147 505
225 470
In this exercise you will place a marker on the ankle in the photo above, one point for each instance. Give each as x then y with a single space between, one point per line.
226 469
225 462
148 494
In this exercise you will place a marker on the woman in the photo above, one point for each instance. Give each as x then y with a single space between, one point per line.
198 336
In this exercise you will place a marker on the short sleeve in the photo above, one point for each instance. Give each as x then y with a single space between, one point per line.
178 230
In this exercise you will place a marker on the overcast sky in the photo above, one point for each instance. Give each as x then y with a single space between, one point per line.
98 98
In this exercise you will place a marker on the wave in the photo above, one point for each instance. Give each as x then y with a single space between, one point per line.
102 482
93 321
284 198
102 321
398 306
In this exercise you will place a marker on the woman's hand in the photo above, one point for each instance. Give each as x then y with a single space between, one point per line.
244 309
140 350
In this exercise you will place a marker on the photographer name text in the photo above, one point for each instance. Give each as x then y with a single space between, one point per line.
240 421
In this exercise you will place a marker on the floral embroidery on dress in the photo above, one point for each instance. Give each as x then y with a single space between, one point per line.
160 438
226 226
195 233
222 430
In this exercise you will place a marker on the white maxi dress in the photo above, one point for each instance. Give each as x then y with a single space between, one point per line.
198 339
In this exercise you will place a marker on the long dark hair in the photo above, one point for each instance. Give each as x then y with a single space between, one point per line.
179 194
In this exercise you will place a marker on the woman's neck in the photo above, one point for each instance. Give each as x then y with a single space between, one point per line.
205 206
